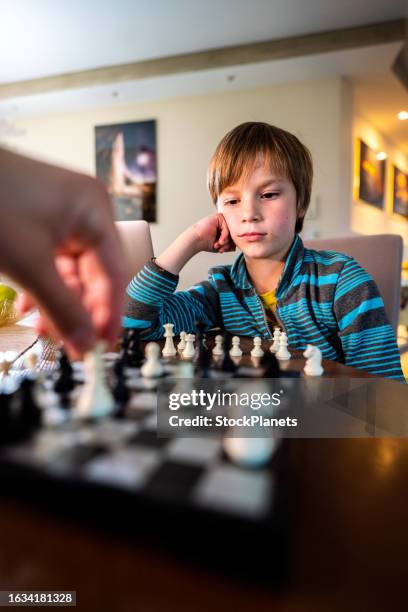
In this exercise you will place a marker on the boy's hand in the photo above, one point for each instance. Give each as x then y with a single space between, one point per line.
213 235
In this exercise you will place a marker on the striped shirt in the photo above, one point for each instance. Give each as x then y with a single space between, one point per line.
324 298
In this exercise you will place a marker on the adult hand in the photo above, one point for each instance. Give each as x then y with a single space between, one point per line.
58 240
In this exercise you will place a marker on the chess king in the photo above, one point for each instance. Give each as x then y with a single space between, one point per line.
260 180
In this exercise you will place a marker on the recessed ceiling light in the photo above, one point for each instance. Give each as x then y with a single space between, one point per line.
403 115
231 77
115 94
381 155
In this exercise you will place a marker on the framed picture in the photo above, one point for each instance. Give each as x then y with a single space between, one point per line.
371 177
400 192
126 162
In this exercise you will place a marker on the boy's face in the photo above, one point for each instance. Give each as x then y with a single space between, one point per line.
260 213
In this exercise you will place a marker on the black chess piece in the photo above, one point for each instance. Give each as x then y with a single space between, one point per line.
124 348
202 357
226 364
119 367
30 413
65 381
270 365
121 396
135 355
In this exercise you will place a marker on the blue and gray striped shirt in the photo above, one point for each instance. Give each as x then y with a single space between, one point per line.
324 298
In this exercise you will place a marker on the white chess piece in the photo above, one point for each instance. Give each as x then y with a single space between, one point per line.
185 369
152 367
275 344
218 350
8 383
283 353
182 344
235 351
95 400
250 452
313 365
169 350
31 360
189 350
257 350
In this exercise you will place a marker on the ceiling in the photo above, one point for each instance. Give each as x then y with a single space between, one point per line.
53 37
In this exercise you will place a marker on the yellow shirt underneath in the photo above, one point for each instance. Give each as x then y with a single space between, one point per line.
269 301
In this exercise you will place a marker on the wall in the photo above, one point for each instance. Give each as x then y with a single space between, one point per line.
366 219
188 130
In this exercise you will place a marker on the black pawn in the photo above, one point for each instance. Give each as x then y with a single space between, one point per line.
270 364
202 357
65 381
226 364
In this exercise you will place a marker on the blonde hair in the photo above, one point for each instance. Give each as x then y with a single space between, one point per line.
240 150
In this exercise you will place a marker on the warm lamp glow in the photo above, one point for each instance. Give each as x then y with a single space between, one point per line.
381 155
403 115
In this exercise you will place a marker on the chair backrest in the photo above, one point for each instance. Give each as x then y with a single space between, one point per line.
137 244
380 256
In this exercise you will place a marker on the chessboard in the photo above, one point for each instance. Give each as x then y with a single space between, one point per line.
112 468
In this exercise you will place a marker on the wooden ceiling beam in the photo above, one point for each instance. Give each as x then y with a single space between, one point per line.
277 49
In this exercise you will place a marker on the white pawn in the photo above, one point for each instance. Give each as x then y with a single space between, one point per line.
313 365
8 383
95 400
257 350
182 344
275 345
283 353
250 452
185 369
235 351
189 350
218 350
152 367
169 349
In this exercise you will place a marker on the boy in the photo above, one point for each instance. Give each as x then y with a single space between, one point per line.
260 179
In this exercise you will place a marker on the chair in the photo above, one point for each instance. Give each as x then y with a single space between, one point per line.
380 256
137 244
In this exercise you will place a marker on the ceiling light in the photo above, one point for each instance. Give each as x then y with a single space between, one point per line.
381 155
403 115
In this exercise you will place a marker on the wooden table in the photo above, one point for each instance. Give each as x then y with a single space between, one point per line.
349 547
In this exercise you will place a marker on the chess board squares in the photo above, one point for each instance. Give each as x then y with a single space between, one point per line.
125 468
173 481
149 438
113 433
227 488
194 451
144 400
37 451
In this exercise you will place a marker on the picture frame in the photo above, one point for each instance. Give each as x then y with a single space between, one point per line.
399 192
125 161
371 176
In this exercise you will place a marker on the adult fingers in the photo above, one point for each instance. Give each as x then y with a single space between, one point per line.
102 273
62 306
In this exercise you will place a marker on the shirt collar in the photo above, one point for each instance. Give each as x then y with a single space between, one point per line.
241 279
